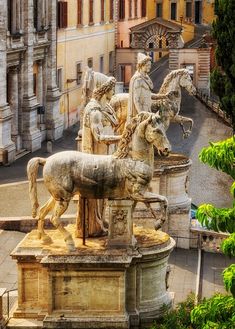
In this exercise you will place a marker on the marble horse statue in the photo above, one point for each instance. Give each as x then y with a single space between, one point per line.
174 81
169 105
125 174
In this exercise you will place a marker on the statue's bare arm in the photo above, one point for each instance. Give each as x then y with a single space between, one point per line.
162 96
97 129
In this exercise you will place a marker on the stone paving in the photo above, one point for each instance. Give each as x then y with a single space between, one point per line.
8 269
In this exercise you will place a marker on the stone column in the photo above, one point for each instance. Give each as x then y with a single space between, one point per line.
54 120
7 147
121 224
14 103
31 135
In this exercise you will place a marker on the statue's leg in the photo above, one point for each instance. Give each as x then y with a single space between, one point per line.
60 208
94 215
43 211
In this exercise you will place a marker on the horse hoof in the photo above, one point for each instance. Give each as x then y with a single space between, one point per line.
157 225
70 246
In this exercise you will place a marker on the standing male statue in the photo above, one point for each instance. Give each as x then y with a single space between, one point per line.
97 135
140 88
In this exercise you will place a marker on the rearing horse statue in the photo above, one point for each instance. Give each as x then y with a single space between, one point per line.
125 174
169 106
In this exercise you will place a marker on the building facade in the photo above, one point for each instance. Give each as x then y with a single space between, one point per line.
29 97
140 29
185 11
156 27
86 32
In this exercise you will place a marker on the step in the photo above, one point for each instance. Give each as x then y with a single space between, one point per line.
21 153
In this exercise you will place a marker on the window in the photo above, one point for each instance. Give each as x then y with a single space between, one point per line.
90 62
143 8
188 10
111 10
111 62
173 11
136 8
62 18
35 84
91 12
102 64
79 13
160 43
159 10
60 79
130 8
14 17
79 74
40 14
121 9
102 10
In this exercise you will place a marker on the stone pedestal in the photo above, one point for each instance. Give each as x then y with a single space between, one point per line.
171 179
95 286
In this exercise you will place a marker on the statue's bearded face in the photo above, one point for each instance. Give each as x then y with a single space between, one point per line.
110 94
147 67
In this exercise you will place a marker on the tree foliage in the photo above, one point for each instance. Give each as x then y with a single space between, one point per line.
223 78
179 318
217 312
221 155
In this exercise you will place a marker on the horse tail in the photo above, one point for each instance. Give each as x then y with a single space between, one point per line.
32 172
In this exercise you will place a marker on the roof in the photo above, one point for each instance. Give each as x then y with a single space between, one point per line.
171 26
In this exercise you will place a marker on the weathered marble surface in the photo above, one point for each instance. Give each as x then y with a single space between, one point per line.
125 174
94 286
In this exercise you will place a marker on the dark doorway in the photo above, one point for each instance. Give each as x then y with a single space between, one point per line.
197 12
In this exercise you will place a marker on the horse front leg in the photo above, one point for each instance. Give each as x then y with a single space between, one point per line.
181 120
43 211
60 208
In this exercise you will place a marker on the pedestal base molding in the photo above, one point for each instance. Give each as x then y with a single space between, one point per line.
95 286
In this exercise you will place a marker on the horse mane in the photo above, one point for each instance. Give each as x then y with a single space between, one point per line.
123 145
172 75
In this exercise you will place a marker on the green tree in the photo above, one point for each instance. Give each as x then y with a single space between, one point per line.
219 311
223 77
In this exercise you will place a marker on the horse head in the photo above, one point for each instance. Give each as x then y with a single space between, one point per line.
185 81
152 128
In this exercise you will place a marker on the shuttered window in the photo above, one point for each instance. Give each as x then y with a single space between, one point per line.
136 7
79 7
102 10
62 14
130 8
110 10
121 9
91 11
143 8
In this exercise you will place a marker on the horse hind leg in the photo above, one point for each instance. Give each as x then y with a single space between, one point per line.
60 208
43 211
